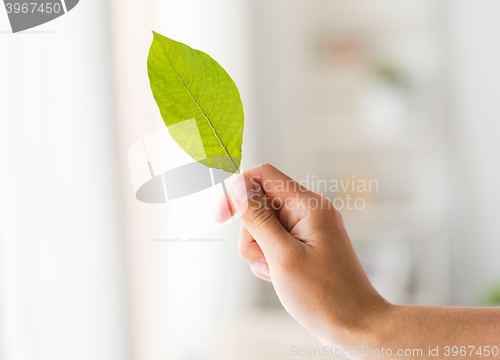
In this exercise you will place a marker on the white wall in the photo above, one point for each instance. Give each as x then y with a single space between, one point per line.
61 283
475 112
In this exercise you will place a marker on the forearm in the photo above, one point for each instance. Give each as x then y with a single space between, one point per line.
431 332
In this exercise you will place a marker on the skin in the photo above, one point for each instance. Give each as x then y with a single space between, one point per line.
297 240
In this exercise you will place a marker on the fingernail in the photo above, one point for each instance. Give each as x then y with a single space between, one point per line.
223 210
262 267
218 209
242 189
217 214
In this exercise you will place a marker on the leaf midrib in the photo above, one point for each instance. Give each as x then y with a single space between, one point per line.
201 110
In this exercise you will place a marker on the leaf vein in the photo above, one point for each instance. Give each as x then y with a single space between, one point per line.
224 108
232 135
203 113
216 89
192 70
204 80
230 121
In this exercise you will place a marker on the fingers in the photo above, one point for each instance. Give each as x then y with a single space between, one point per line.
248 248
271 206
291 200
275 183
251 252
259 274
258 217
224 209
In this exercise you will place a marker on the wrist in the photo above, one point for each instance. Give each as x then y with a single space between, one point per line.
379 323
369 327
375 322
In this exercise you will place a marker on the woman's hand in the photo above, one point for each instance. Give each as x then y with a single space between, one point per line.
296 239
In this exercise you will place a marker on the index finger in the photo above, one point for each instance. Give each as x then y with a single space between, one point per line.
287 196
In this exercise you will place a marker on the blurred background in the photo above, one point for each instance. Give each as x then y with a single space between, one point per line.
401 93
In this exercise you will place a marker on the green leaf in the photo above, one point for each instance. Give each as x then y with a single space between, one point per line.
199 103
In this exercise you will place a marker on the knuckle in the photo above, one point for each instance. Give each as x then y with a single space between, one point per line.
335 215
269 166
290 203
263 165
324 209
260 216
339 216
266 166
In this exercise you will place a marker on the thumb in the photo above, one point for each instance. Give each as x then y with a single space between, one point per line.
257 216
